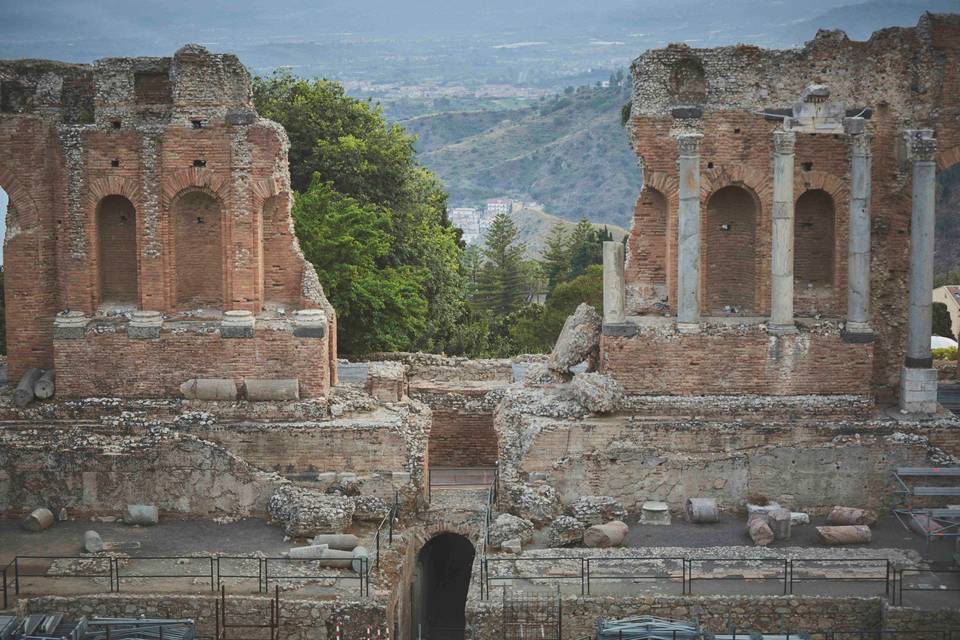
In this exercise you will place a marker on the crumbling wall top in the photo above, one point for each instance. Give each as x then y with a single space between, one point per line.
192 86
897 67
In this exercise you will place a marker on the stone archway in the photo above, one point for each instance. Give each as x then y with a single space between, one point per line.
438 590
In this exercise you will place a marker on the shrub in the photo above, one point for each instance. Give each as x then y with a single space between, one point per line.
947 353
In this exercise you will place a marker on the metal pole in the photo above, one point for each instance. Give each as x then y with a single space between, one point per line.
213 586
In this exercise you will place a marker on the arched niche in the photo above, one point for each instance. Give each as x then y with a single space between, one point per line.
116 226
814 239
730 251
198 250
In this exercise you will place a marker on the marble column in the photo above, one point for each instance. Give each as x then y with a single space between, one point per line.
688 228
857 327
781 285
918 380
614 293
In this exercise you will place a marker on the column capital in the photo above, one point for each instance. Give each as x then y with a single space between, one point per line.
921 145
784 142
689 144
862 144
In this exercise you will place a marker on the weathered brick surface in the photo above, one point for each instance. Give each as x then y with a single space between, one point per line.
909 77
751 362
206 187
461 439
111 364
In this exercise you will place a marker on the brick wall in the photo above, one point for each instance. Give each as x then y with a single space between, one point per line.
198 251
300 619
766 614
156 368
751 362
743 81
461 439
179 139
731 252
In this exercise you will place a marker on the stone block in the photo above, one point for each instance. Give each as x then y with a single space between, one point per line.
507 527
565 530
237 323
260 390
92 542
655 513
145 325
601 536
513 545
38 520
141 514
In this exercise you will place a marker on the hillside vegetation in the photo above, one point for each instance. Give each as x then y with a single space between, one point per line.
569 152
534 226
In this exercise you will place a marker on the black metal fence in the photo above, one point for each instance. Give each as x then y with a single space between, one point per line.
786 576
211 571
385 528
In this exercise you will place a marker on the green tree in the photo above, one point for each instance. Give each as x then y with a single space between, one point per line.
500 287
942 324
356 154
536 329
556 256
382 307
586 248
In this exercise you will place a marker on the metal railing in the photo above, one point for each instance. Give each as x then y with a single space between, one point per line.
222 625
387 522
900 583
786 573
211 570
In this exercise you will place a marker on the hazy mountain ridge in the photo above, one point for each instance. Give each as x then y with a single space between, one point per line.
571 154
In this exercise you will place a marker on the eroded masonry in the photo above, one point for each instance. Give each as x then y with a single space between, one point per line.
746 438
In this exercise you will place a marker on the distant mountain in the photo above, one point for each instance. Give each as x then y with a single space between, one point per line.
570 153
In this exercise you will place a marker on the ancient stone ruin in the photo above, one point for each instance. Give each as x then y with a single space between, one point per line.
149 239
747 436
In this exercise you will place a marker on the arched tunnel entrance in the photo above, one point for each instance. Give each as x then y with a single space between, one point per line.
439 589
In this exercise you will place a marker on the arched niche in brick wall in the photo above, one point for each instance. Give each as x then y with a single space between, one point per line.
198 250
116 229
814 244
730 251
649 251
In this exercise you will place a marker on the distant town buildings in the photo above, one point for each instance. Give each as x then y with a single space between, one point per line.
474 222
499 205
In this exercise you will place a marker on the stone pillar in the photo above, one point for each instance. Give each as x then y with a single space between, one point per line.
781 286
614 292
857 327
688 227
918 379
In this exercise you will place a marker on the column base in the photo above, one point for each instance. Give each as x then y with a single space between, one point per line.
918 390
688 327
782 329
858 333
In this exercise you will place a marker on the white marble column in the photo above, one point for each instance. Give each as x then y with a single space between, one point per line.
688 228
858 249
918 381
614 293
781 286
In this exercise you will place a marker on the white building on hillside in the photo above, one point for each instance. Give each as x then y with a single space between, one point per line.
950 296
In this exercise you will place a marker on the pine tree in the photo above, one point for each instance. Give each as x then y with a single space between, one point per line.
585 249
500 287
556 256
